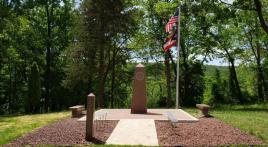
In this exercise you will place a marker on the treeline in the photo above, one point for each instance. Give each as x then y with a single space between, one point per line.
52 53
219 89
33 37
235 32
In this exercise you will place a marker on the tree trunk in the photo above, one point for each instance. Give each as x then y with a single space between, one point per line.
261 85
168 78
185 73
48 56
233 76
260 15
262 89
265 89
113 79
101 78
9 93
259 75
101 68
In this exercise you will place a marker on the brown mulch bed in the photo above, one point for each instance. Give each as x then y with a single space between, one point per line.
206 132
66 132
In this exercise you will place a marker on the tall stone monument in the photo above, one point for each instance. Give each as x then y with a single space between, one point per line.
139 99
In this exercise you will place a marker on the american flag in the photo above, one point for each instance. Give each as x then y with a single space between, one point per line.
171 41
172 21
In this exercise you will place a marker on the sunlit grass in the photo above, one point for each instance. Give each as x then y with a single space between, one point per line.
252 119
12 127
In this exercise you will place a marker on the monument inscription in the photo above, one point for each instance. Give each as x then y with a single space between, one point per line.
140 76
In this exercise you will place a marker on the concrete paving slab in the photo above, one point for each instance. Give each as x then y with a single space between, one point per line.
155 114
134 132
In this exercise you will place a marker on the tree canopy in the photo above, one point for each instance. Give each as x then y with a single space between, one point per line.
54 52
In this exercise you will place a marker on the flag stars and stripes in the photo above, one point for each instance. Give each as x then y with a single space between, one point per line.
171 41
172 21
171 29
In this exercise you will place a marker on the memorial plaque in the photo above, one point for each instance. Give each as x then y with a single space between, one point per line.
139 99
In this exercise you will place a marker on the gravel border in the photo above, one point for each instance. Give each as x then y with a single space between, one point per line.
206 132
67 132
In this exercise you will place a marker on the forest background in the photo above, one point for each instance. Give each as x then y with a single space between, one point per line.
54 53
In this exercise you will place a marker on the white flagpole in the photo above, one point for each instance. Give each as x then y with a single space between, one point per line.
178 62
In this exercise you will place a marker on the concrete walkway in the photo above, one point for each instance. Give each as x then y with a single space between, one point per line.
134 132
156 114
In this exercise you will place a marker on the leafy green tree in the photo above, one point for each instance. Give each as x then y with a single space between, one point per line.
106 28
22 41
12 81
217 92
255 6
193 93
149 40
261 14
51 22
224 34
254 42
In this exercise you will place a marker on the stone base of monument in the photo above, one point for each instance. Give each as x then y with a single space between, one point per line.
138 111
139 99
155 114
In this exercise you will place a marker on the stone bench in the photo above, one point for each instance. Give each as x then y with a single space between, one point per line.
77 110
172 118
204 109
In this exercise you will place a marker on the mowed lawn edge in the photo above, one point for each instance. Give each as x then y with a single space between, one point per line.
12 127
251 119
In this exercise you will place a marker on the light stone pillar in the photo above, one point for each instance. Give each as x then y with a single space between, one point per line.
139 99
90 116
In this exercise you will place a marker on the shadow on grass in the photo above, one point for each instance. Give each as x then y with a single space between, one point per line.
245 109
11 115
248 108
24 114
251 109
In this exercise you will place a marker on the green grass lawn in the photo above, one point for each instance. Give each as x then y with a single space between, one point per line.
12 127
252 119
